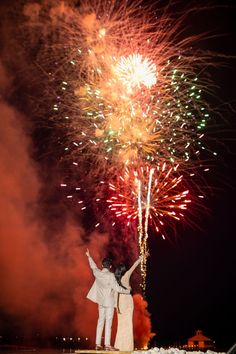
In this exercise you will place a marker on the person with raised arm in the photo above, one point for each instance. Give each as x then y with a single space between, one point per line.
125 306
103 293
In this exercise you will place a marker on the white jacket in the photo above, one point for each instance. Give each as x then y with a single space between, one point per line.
104 287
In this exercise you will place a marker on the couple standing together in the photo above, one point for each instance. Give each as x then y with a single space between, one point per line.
111 290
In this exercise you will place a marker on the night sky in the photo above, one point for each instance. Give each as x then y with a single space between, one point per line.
193 285
191 281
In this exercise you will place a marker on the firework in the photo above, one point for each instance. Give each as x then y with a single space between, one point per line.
148 197
126 92
119 123
155 192
134 71
125 88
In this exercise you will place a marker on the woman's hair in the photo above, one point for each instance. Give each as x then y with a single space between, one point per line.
119 272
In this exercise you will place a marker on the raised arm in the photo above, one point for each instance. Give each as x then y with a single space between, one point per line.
92 264
136 263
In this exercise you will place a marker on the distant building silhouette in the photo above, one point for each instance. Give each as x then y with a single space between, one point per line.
199 341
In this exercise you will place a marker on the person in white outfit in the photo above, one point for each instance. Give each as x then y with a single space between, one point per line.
125 306
103 293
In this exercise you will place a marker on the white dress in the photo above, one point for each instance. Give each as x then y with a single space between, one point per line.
124 336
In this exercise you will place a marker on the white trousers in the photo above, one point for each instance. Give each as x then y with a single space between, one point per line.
105 316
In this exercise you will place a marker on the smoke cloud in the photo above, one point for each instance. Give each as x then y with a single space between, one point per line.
42 283
142 322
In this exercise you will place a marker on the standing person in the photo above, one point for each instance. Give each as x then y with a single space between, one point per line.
103 293
125 306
